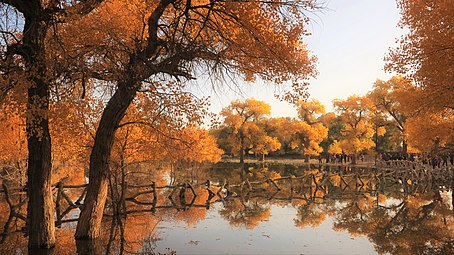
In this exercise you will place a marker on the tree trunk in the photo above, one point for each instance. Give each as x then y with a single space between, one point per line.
41 226
241 149
404 146
89 224
242 165
40 212
452 193
353 159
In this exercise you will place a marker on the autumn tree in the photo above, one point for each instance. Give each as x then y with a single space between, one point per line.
246 214
224 140
193 144
406 226
176 39
310 111
241 118
335 147
335 125
259 141
310 215
280 128
72 126
295 136
311 130
387 96
300 136
307 138
424 56
26 26
428 129
358 129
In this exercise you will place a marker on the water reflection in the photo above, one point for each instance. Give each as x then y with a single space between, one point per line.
417 224
248 214
363 215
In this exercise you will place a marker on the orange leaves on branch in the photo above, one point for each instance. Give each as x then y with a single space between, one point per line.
358 131
425 56
309 111
311 131
196 145
243 121
425 53
381 131
335 148
246 120
238 112
13 146
425 130
391 100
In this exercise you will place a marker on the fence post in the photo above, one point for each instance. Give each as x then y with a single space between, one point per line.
57 203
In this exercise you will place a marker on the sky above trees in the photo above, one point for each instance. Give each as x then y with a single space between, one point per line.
350 39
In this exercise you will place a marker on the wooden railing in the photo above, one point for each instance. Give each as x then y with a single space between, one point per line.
410 175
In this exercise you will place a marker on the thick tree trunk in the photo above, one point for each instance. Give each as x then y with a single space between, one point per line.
41 226
40 212
89 224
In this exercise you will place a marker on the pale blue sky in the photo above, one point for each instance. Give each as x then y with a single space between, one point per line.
350 39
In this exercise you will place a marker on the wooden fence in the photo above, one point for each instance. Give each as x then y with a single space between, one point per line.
411 176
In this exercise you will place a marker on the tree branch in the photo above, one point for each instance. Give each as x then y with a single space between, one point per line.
26 7
153 24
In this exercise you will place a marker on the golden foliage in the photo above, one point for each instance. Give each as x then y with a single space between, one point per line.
310 215
244 122
426 129
425 53
308 111
358 131
297 135
13 147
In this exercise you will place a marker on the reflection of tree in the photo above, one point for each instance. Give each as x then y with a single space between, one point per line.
359 215
419 224
194 214
16 243
241 213
135 235
310 215
396 223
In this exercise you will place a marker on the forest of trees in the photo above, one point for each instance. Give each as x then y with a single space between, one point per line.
382 121
89 88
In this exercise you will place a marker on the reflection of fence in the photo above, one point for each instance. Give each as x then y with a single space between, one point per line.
410 176
417 171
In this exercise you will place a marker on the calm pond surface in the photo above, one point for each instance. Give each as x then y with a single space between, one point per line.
297 219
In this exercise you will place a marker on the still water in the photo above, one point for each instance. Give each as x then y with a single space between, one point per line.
338 219
277 234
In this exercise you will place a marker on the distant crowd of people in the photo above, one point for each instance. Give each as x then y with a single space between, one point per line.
340 158
434 160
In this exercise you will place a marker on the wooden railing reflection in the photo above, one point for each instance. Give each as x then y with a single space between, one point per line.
411 178
405 169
